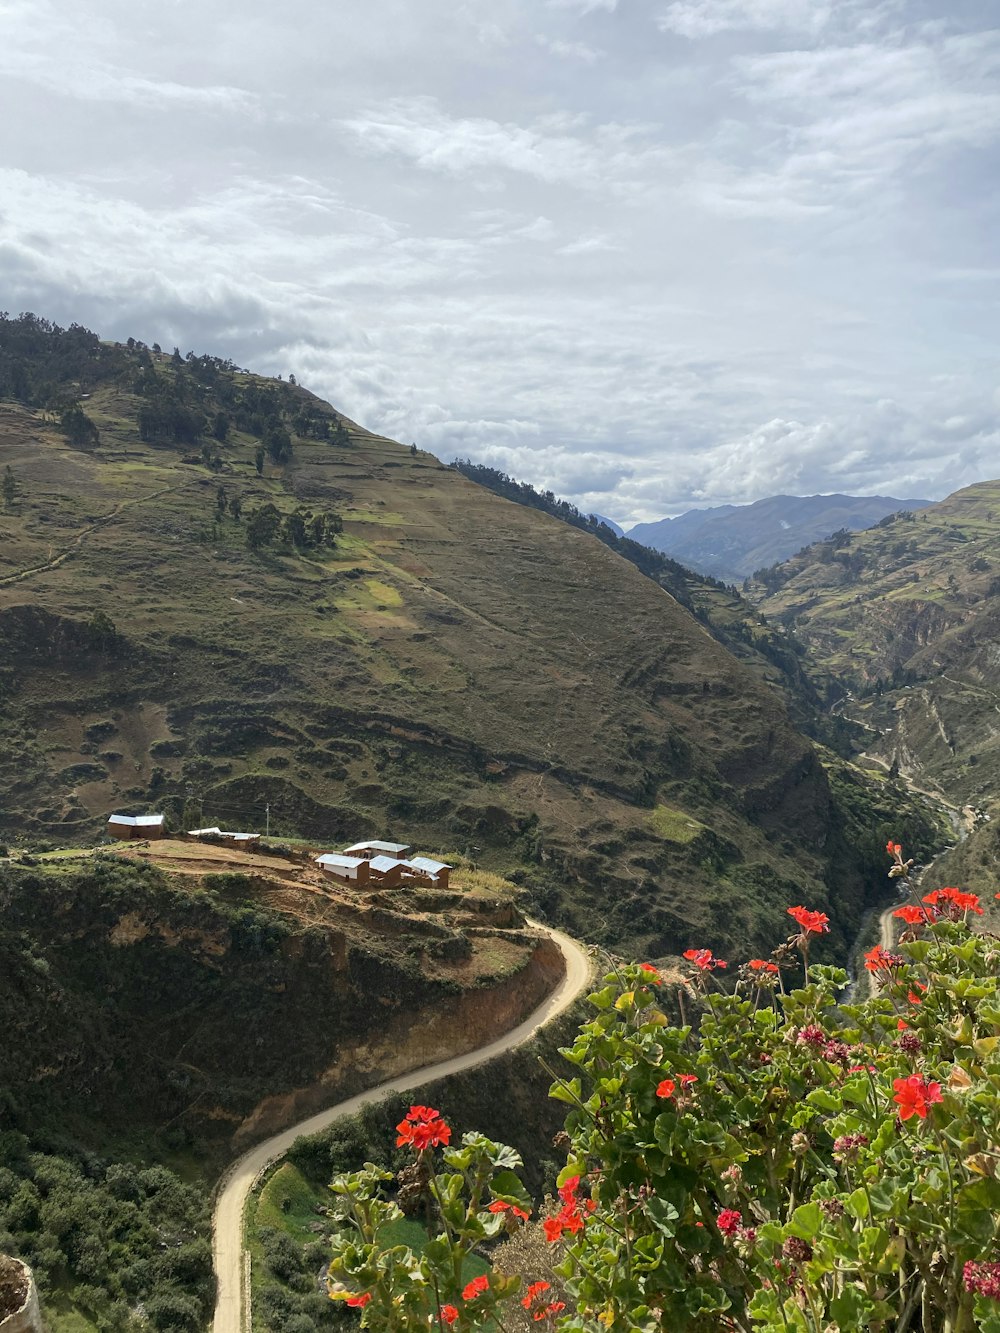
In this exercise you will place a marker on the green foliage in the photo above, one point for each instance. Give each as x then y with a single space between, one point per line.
78 427
107 1237
779 1161
8 487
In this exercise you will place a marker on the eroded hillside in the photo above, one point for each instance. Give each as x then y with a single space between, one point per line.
441 662
907 615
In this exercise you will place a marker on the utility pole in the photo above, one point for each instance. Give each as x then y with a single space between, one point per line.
267 820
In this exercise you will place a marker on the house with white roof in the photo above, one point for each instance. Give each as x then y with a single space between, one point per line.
209 833
386 871
127 827
367 850
345 869
423 870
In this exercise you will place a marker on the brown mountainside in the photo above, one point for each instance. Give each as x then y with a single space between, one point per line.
457 669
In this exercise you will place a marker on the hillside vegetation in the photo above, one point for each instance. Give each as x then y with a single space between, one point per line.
218 595
907 615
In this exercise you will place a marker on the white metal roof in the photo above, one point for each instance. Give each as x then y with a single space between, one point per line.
239 837
384 863
204 832
390 847
347 862
428 866
136 821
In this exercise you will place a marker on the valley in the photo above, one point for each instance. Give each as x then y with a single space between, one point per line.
224 602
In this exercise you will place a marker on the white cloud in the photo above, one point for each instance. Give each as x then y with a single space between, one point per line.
707 18
641 271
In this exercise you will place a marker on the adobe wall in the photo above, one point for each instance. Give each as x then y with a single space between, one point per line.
29 1318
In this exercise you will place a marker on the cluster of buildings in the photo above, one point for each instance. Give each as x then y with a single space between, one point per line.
384 865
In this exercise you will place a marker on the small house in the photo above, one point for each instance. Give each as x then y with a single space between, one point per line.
211 834
367 850
346 869
386 871
127 827
205 833
422 870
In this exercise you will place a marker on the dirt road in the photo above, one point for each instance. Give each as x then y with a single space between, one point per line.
231 1314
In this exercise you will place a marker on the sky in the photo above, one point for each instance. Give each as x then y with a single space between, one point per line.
649 254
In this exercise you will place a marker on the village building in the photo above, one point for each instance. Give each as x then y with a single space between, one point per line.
386 871
367 850
422 870
346 869
126 827
209 833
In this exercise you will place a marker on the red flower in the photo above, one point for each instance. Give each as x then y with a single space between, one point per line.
498 1206
360 1301
911 914
652 973
667 1088
448 1314
728 1220
956 900
893 848
473 1288
762 965
422 1136
553 1229
534 1290
914 1095
913 996
812 923
982 1278
687 1079
877 960
703 960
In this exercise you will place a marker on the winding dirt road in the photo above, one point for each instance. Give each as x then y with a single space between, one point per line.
227 1218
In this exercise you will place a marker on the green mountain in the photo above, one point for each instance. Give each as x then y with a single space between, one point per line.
907 616
221 598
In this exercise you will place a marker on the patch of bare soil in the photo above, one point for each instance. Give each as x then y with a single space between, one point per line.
13 1286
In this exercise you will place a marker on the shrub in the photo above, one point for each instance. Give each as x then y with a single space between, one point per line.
776 1159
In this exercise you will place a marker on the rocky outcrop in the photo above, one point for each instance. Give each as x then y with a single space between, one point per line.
19 1311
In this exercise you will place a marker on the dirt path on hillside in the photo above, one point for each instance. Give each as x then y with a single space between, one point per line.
19 575
232 1313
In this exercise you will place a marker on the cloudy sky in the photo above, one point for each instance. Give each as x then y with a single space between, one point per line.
648 253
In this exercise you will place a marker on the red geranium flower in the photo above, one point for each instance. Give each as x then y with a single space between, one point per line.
914 1095
702 959
762 965
667 1088
812 923
448 1314
535 1289
911 914
893 848
877 960
728 1220
652 973
423 1128
498 1206
359 1301
473 1288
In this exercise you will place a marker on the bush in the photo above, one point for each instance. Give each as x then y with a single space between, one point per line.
773 1160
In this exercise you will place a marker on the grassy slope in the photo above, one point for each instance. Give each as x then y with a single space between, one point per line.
461 669
919 614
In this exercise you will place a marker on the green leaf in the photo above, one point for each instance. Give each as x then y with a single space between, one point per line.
569 1093
806 1221
824 1100
857 1204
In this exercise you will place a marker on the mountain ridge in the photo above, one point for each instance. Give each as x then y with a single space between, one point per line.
732 541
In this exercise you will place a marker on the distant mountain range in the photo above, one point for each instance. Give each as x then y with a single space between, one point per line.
731 542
